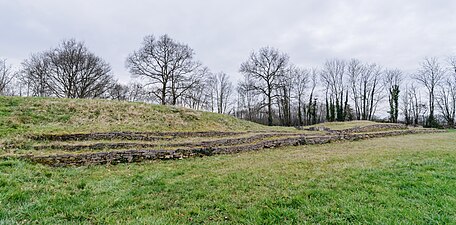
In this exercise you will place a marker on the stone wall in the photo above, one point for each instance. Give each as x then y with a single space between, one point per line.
140 136
368 128
375 127
209 143
114 157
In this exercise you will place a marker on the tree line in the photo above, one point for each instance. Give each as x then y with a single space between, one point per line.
273 90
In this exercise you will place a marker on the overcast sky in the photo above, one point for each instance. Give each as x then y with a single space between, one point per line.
396 34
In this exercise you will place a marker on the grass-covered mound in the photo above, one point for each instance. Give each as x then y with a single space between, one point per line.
26 115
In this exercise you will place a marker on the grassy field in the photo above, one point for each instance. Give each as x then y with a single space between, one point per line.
396 180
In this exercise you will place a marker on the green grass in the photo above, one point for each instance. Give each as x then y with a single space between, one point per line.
396 180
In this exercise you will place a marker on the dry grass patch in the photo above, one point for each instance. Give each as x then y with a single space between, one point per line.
344 125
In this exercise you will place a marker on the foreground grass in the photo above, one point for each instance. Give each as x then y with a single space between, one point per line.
406 179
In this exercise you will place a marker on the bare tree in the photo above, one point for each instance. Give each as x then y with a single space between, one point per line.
6 76
374 74
430 75
167 64
365 85
119 92
355 71
77 73
34 75
446 98
413 107
266 67
200 95
312 106
332 75
221 89
182 84
393 79
137 92
69 71
407 106
300 80
246 100
284 97
199 98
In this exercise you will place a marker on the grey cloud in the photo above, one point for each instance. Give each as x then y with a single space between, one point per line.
223 33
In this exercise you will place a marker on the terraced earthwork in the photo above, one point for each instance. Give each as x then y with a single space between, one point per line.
127 147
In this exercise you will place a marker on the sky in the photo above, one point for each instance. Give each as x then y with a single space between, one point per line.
394 34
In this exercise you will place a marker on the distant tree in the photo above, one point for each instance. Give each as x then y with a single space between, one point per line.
430 76
284 96
199 97
182 84
136 92
34 75
221 89
365 86
355 71
6 76
167 64
68 71
200 94
392 83
312 107
246 100
300 79
406 106
446 98
266 67
412 106
332 75
119 92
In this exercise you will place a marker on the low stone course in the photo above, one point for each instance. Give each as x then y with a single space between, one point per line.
211 143
374 127
360 129
139 136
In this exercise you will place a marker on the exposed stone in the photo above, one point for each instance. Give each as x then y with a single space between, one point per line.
358 129
318 129
124 135
220 142
373 127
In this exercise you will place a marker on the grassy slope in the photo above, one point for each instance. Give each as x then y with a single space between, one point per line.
26 115
372 181
19 115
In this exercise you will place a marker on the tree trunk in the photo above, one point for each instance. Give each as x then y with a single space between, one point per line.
269 110
163 94
299 112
